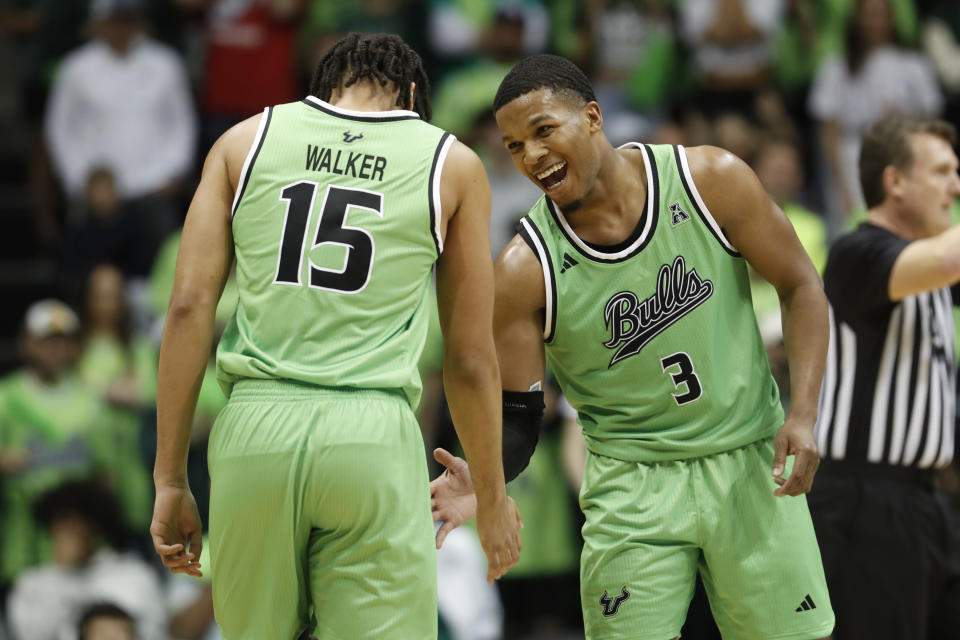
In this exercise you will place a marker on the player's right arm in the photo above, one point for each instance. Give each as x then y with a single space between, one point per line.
518 317
470 374
203 263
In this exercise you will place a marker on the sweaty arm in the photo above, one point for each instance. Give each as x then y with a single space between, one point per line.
757 228
926 265
470 373
203 263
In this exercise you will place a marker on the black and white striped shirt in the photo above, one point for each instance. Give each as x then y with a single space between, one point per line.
889 388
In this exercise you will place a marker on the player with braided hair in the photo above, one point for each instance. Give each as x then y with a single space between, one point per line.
385 59
336 208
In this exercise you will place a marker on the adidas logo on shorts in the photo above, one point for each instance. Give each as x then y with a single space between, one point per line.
806 604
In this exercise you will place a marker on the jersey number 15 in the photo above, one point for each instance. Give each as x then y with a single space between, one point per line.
355 274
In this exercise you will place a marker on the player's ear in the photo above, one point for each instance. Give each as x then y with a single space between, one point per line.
594 117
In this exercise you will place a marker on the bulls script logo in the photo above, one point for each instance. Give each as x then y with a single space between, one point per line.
633 323
610 608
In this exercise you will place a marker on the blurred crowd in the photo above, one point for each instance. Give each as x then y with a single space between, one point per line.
108 108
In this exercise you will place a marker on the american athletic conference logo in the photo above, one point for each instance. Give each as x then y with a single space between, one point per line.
633 323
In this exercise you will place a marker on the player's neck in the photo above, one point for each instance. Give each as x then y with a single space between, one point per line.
364 96
615 200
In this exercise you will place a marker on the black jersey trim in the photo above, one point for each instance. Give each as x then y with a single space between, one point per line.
360 116
638 240
530 233
251 159
698 204
433 186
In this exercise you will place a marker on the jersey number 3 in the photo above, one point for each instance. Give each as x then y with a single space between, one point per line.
357 265
686 376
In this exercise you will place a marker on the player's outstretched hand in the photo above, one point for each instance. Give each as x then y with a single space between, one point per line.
176 530
795 438
451 494
498 525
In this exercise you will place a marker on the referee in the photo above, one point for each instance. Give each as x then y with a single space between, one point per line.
887 417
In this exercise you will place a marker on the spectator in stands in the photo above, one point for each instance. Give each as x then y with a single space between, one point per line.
873 77
732 48
463 95
779 167
51 428
84 523
636 63
941 43
106 622
121 367
460 31
108 229
250 60
122 101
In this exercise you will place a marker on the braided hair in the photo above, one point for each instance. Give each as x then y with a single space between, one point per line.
543 71
383 58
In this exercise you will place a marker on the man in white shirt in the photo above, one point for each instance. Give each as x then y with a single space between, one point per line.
121 102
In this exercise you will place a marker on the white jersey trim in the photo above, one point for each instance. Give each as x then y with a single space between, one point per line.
362 114
254 148
435 190
547 281
650 209
717 231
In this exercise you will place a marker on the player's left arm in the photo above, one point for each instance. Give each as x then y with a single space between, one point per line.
757 228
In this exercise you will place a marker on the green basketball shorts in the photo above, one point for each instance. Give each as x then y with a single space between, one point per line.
650 527
320 510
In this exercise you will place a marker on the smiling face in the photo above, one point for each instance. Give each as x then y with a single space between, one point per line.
551 137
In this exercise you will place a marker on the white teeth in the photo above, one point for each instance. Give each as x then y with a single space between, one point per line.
551 170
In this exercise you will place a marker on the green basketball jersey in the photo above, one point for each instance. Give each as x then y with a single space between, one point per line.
336 227
654 341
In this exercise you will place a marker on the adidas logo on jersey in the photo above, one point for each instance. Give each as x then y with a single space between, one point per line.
568 262
806 604
677 214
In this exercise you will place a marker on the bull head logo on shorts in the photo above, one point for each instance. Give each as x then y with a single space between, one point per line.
610 608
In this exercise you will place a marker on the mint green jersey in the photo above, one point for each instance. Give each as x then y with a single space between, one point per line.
336 227
654 341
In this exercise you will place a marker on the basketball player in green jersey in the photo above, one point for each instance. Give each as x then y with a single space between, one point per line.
336 209
630 279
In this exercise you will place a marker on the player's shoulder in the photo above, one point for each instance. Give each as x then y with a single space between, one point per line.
518 267
462 164
727 184
707 163
230 150
238 138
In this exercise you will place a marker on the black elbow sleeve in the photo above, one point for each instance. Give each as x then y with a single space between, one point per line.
522 412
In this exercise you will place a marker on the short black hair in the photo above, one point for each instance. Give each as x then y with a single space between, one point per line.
888 143
378 57
87 499
543 71
102 610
